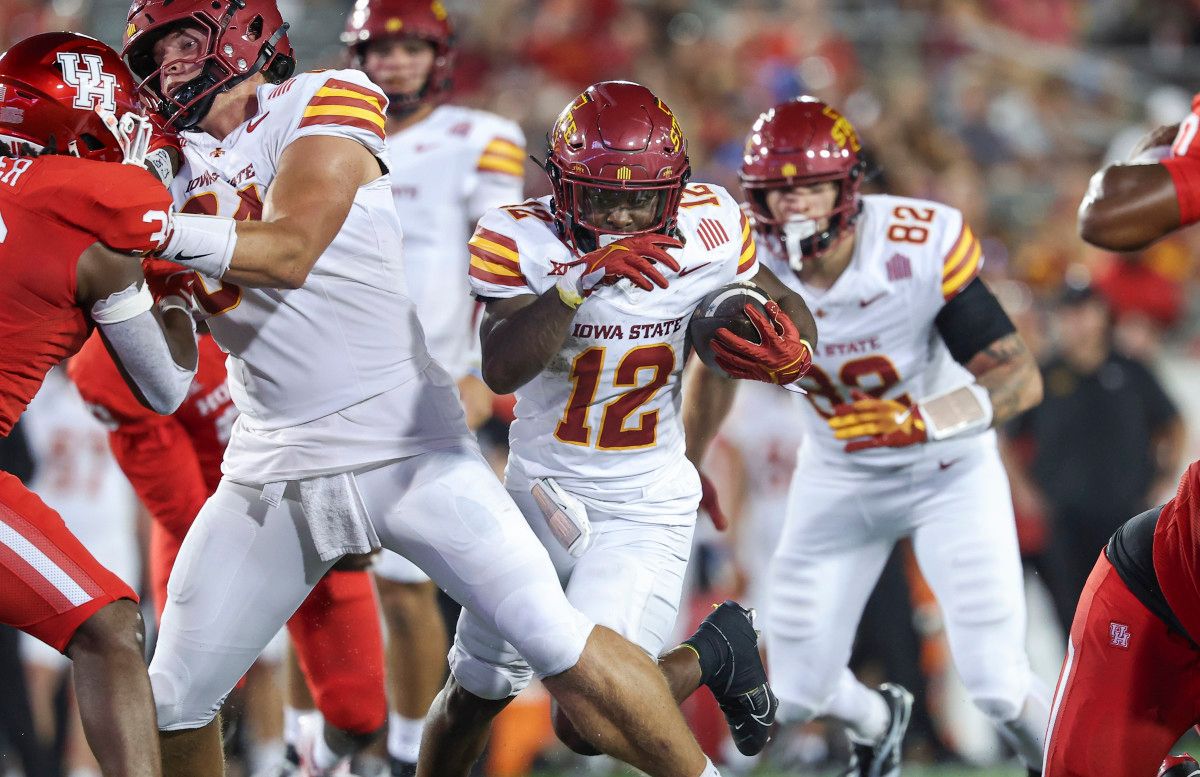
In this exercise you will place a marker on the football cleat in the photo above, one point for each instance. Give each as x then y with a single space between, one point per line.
1179 766
403 768
288 766
311 727
740 685
882 759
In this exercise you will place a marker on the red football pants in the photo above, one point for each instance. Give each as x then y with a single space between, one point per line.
49 583
1129 688
336 635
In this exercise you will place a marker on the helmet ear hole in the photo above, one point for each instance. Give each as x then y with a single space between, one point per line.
254 29
92 142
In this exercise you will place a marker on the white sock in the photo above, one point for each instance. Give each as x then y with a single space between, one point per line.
291 724
863 710
709 769
404 737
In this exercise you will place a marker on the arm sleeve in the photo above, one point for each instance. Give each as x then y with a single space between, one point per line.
1185 174
157 456
971 321
499 176
495 270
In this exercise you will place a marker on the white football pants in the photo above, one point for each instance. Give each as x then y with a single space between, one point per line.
841 526
246 566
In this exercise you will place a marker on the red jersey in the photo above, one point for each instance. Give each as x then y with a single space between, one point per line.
1177 551
51 210
173 462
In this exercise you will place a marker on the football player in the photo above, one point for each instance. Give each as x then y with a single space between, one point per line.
349 435
1128 687
917 365
448 164
588 293
70 216
174 464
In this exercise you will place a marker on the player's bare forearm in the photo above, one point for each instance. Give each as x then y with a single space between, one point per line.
303 211
707 398
1008 371
519 336
1128 207
790 302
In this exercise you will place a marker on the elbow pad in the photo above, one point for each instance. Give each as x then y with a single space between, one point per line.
142 349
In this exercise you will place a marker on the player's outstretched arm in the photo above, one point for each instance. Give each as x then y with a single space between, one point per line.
1008 371
1129 206
304 209
155 350
519 336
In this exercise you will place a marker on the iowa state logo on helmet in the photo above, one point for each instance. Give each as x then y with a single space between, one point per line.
94 88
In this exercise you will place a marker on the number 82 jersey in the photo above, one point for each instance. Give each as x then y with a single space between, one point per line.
603 416
877 322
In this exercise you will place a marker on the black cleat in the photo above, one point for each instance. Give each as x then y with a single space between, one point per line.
402 768
740 684
882 759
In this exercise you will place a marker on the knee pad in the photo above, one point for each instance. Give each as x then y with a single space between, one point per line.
546 630
487 679
176 701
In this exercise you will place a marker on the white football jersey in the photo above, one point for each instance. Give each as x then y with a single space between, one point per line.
876 323
603 417
349 332
447 170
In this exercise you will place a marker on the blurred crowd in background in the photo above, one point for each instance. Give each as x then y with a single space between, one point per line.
1002 108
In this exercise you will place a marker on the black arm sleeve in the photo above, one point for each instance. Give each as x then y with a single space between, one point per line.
972 321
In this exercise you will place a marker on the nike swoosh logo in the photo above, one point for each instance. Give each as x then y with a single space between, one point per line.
862 303
947 464
693 269
184 258
253 125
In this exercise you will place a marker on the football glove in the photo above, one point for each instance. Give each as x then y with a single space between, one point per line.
173 287
880 423
710 504
781 356
632 258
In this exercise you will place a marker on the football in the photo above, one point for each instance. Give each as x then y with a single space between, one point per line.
725 307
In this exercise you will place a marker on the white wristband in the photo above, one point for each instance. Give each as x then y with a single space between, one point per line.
964 410
201 243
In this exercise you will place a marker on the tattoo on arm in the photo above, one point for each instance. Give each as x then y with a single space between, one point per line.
1007 369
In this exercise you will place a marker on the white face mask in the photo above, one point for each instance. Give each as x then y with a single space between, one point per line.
796 230
132 131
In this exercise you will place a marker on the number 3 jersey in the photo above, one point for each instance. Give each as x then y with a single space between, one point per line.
349 332
876 323
603 416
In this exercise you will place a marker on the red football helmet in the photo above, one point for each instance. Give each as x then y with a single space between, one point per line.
799 143
241 38
385 20
51 89
616 139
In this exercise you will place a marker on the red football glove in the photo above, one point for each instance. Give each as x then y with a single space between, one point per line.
167 280
883 423
710 504
782 358
632 258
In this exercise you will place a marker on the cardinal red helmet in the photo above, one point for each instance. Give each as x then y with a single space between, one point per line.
51 86
372 21
239 38
616 138
799 143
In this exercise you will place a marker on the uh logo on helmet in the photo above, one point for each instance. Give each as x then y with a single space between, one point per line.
238 38
615 145
803 142
63 92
